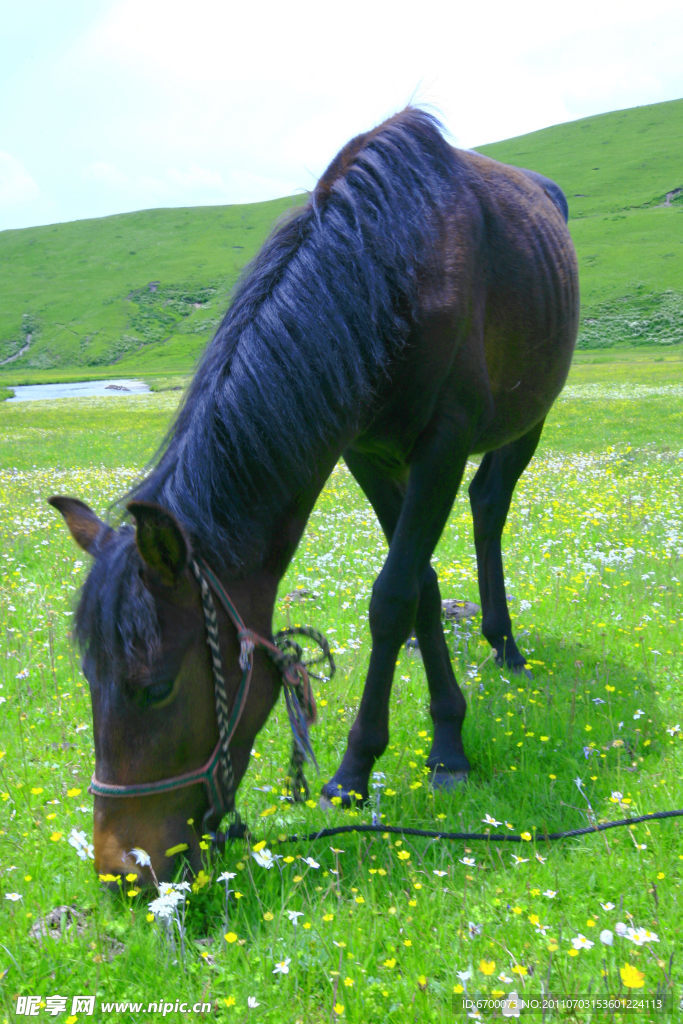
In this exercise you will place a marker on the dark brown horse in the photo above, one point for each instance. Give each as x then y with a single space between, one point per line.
420 307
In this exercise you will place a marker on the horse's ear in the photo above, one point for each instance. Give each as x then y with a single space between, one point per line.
161 541
87 530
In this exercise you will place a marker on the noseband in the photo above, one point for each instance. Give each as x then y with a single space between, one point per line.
217 773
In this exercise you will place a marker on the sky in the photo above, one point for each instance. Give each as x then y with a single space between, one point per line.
108 106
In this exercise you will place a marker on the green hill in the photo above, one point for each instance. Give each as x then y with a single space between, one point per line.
144 291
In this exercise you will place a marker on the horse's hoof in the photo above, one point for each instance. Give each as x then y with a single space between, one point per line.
335 795
446 781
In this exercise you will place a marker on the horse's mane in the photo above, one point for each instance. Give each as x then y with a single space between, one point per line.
315 321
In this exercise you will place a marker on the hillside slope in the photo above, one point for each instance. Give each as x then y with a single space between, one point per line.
144 291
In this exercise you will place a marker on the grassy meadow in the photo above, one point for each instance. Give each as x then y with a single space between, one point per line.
378 928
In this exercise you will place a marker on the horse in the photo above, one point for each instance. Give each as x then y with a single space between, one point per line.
421 306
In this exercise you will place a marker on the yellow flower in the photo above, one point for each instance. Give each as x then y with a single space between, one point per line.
487 966
36 790
349 982
631 976
200 881
230 937
339 1009
403 855
229 1001
268 916
56 836
73 792
390 963
520 969
526 836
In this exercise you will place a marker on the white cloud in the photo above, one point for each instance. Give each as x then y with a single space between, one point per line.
17 186
161 102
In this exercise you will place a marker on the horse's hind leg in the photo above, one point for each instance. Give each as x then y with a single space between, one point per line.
490 496
370 732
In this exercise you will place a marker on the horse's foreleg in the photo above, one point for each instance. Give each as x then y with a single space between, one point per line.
405 595
490 495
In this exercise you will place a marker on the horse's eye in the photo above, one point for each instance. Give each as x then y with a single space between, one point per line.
155 694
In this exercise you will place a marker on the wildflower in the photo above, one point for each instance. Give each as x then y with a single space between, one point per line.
512 1006
519 860
13 896
230 937
80 843
282 967
639 936
526 836
140 857
607 906
606 937
226 876
468 861
487 966
163 907
294 915
200 881
252 1002
631 976
438 873
581 942
311 863
621 929
489 820
550 893
265 858
403 855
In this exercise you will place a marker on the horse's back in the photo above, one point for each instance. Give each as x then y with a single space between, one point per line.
497 319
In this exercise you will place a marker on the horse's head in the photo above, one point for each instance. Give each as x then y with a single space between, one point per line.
160 764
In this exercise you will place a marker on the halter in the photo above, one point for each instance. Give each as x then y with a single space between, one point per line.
217 773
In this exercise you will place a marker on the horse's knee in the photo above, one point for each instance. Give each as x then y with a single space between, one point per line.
392 611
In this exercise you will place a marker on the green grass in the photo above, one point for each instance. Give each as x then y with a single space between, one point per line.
389 930
143 292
